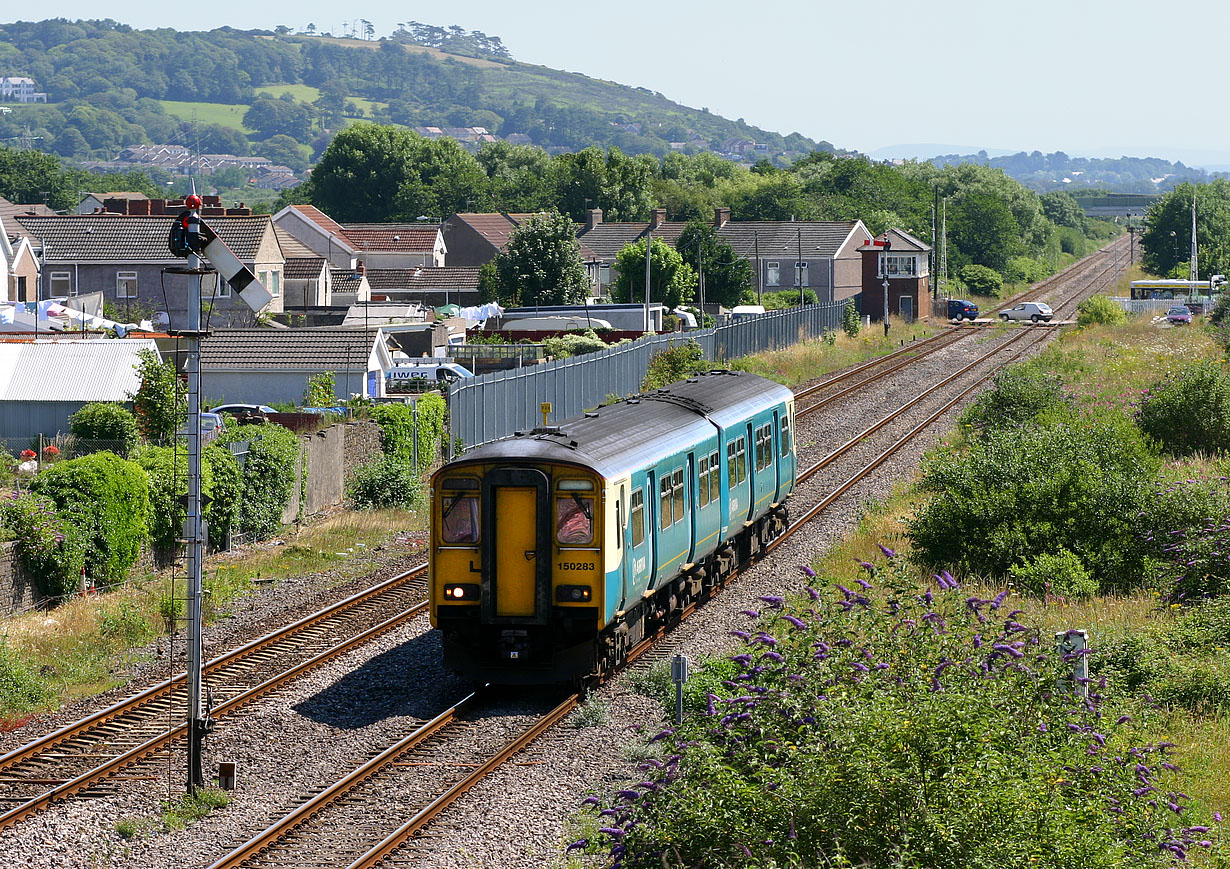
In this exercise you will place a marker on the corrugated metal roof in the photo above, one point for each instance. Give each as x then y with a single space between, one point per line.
84 370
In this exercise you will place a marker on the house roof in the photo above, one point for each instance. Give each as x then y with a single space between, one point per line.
900 240
607 239
783 239
346 281
318 217
495 228
291 246
126 238
57 370
9 211
398 237
303 268
422 279
324 348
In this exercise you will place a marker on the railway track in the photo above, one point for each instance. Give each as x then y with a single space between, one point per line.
301 838
130 733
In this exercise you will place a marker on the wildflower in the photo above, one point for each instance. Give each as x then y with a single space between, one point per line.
807 571
773 601
578 845
999 599
952 583
888 553
751 614
812 593
794 620
868 565
589 801
613 832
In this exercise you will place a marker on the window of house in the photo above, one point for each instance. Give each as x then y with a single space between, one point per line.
60 284
21 288
263 277
604 274
637 515
775 275
276 289
800 274
126 285
213 285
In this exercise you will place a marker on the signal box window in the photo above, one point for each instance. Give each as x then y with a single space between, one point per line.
459 522
637 516
574 520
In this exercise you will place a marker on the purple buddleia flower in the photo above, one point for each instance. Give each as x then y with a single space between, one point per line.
751 614
794 620
936 687
1042 728
773 601
629 795
578 845
888 553
807 571
660 736
927 597
841 588
772 656
743 635
589 801
952 582
1123 719
977 641
710 709
998 601
812 593
613 832
864 583
867 565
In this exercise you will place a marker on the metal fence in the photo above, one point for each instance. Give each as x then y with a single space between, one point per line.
495 405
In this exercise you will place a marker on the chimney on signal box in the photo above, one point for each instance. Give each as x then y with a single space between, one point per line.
721 217
593 217
658 218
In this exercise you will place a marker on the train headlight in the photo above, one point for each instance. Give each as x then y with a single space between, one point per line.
573 593
461 591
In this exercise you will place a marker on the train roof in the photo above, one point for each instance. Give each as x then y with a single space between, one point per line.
628 434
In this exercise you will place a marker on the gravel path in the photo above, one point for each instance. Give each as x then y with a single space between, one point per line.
292 745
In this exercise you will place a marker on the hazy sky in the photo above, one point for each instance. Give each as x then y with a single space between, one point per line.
1089 77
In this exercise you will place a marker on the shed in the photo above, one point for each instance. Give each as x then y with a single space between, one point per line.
43 383
265 366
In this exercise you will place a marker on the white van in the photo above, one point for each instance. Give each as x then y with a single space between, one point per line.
427 374
746 312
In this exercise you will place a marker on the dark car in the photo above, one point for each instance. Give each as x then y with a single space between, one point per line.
960 309
1179 315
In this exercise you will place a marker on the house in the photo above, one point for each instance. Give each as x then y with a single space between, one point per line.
428 286
266 366
820 255
44 382
474 239
18 265
125 257
92 202
900 260
375 245
20 89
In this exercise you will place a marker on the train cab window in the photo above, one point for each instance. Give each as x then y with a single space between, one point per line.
664 503
574 520
459 519
677 493
785 436
637 517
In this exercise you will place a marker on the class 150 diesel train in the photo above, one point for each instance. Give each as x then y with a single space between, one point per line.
555 551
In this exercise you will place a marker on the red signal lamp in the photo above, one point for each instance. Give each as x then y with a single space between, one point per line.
193 201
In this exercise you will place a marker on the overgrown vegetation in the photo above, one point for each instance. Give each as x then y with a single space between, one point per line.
1099 310
1189 411
321 390
674 363
158 403
104 421
385 482
269 474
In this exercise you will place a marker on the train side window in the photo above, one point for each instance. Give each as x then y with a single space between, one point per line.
574 520
619 520
638 517
741 458
459 520
715 476
664 503
703 494
677 494
785 436
732 470
760 462
767 441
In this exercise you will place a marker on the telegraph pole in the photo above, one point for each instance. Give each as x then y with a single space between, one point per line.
648 245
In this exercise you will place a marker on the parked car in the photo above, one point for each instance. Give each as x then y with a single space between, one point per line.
1032 311
1179 315
211 426
962 309
243 410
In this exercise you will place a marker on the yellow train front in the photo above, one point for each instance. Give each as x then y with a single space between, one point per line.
553 552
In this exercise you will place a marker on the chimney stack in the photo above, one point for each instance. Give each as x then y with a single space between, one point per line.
659 218
721 217
593 217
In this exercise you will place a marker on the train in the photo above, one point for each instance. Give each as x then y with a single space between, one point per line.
555 551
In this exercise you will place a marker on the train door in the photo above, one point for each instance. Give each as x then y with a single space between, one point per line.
624 547
517 539
748 441
691 503
640 526
651 520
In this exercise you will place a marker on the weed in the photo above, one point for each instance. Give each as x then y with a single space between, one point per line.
594 712
177 814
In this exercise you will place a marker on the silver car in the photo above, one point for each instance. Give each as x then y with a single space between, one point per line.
1032 311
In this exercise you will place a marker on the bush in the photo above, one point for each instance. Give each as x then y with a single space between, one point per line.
1100 310
1025 270
20 688
894 726
384 482
396 423
981 280
673 364
850 321
1020 394
158 403
51 549
269 473
1189 411
167 471
104 421
107 499
1017 491
431 410
1059 573
574 344
321 390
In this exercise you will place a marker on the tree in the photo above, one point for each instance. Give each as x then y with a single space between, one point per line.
158 403
516 176
727 274
620 185
104 421
541 264
283 150
373 172
671 280
1062 210
272 117
1166 239
983 230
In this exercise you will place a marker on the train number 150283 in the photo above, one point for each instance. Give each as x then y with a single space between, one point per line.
574 565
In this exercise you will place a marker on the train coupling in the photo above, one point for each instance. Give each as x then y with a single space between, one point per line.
514 645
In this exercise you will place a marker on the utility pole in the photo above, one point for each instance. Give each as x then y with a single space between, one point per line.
932 278
700 284
648 246
944 246
1193 272
887 246
798 267
756 242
